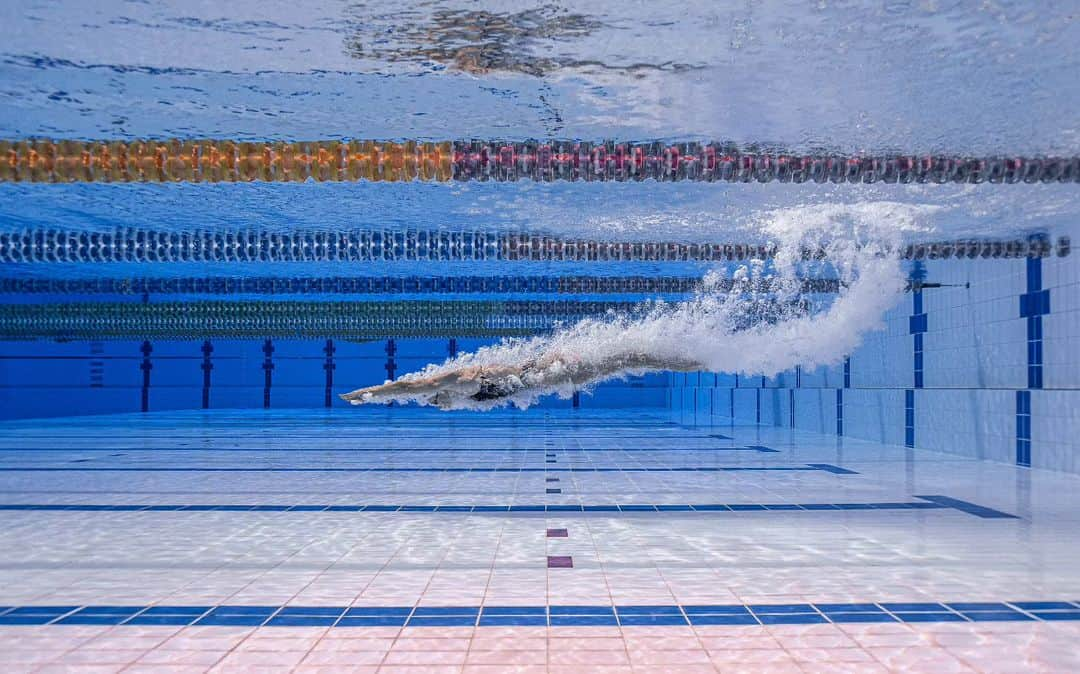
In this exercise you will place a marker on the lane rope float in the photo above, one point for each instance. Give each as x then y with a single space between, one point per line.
212 161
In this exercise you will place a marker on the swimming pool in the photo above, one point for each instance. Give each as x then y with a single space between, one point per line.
753 328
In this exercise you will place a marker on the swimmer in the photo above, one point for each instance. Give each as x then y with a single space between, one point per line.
494 383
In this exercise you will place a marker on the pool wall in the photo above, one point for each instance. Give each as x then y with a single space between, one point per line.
988 366
42 379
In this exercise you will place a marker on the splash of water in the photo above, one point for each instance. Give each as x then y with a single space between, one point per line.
755 326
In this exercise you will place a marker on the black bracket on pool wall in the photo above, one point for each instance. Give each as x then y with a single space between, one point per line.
146 366
329 366
268 369
207 366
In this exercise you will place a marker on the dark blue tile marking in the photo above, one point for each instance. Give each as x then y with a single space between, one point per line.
403 451
512 620
917 607
723 614
165 620
930 502
716 609
372 621
723 619
646 619
840 412
146 349
969 508
1034 304
978 606
1044 615
243 609
791 619
232 620
1023 428
443 621
100 615
880 617
560 609
109 610
82 618
760 609
581 620
427 611
917 327
832 469
930 617
302 621
718 436
849 608
909 418
1043 605
176 610
995 616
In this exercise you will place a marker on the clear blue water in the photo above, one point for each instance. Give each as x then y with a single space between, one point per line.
841 77
174 455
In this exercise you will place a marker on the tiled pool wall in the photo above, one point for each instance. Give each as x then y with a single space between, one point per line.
42 379
988 366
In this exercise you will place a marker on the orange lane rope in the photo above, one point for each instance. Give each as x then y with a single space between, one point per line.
44 161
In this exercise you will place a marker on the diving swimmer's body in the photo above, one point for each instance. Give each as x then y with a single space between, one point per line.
483 383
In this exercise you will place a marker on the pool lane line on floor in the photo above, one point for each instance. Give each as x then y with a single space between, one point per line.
361 436
810 467
543 616
393 450
928 503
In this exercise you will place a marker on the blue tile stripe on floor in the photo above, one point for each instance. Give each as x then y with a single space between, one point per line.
829 468
927 503
554 616
23 450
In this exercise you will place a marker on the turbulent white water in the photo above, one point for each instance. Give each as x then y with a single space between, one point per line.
743 328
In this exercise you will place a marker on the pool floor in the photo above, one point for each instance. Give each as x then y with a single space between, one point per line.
398 540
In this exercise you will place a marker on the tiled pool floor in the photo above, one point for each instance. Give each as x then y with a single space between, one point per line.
543 541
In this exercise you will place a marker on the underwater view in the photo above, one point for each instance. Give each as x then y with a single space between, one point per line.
489 336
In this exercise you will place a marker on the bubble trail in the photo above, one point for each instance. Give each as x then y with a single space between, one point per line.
745 327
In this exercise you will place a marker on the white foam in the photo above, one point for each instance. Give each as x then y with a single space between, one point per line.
741 329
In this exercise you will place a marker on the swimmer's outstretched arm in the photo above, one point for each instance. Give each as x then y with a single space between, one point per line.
466 378
419 386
